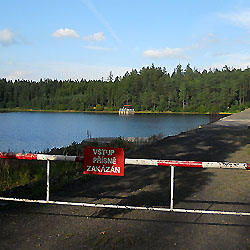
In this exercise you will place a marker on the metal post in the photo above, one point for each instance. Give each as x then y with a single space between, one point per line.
48 166
172 188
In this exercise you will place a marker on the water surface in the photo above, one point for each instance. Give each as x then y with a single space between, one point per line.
38 131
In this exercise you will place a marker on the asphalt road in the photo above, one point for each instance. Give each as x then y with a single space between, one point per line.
238 119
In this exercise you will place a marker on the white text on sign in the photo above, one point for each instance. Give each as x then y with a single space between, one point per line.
104 169
103 161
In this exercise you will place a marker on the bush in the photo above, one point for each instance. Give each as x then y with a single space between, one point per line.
99 107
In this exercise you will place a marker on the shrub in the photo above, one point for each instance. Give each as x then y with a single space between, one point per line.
99 107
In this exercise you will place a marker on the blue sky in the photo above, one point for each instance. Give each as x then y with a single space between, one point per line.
89 38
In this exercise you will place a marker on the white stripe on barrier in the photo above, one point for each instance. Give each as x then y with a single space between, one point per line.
141 162
229 165
43 157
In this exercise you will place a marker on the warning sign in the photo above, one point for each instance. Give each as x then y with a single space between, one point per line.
103 161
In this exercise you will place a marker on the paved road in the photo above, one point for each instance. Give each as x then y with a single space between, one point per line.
239 119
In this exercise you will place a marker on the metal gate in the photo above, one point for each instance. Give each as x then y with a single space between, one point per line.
168 163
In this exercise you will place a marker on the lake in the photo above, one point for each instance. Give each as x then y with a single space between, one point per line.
38 131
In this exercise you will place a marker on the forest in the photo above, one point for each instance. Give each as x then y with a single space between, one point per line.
149 89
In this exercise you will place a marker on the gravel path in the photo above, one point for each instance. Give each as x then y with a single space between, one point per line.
31 226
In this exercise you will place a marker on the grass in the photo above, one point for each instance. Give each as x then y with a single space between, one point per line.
15 174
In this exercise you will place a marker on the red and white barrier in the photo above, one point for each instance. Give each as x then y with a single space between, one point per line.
41 157
144 162
168 163
191 164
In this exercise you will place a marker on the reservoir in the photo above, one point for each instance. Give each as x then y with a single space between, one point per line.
39 131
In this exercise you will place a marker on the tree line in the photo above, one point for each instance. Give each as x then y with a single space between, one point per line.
151 88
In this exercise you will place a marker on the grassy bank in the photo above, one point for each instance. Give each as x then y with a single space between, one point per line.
24 177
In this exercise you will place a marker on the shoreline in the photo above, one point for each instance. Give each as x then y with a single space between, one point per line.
112 112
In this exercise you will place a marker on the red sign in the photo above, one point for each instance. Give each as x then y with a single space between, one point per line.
103 161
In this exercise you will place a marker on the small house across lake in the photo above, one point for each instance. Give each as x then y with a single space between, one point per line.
126 110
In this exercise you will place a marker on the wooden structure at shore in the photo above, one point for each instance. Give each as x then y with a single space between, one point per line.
126 110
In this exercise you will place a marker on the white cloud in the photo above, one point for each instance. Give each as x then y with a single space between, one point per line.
66 70
232 60
203 42
233 57
164 53
99 36
65 33
62 71
6 37
19 74
241 18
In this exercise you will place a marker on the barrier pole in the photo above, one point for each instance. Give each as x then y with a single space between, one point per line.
145 162
172 188
48 168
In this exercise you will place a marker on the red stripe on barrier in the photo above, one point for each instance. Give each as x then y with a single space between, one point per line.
167 163
79 159
192 164
18 156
